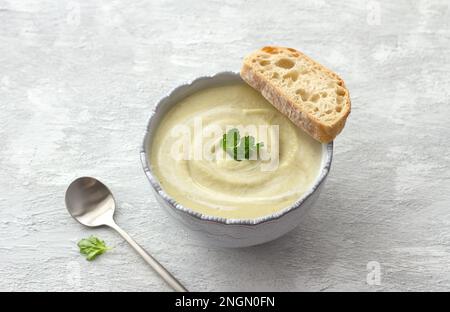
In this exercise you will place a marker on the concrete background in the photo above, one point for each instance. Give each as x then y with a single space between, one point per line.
78 80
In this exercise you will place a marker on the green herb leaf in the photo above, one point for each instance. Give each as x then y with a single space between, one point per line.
231 138
259 146
249 143
239 148
92 247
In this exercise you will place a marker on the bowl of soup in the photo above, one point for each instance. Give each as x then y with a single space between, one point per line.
228 165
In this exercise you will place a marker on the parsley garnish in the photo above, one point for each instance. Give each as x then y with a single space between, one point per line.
240 148
92 247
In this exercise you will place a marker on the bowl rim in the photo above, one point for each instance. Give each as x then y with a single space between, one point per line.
325 169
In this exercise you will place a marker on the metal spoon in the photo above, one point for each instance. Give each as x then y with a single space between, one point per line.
91 203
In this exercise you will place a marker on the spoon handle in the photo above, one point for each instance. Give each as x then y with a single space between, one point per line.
169 278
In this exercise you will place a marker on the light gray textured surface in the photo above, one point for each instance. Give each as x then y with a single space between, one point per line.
77 83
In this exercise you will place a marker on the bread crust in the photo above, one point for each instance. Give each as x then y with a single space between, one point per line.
313 126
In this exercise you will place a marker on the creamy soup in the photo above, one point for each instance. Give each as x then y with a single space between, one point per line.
225 187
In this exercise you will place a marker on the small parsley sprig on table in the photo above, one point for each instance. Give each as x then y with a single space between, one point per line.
240 148
92 247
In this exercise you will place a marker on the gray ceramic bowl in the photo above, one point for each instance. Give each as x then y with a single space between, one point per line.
221 231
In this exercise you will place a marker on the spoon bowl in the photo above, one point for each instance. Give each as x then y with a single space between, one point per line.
90 202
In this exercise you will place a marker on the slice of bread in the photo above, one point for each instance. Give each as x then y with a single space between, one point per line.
312 96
